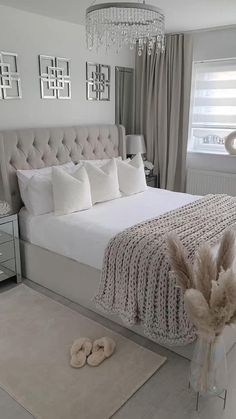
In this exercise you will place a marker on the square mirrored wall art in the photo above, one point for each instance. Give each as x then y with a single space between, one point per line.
55 77
10 83
98 81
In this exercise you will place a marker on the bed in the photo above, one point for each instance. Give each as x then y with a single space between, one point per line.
51 253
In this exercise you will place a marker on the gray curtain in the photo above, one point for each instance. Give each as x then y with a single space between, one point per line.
162 87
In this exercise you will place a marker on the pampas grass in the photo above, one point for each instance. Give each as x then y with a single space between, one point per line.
226 253
209 286
181 265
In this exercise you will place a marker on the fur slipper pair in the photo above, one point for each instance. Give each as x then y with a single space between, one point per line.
94 353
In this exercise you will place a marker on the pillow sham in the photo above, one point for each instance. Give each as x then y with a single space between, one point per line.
25 175
71 193
103 181
131 175
37 195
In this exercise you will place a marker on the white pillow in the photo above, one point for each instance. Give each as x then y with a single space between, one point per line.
25 175
37 195
70 193
29 190
98 163
103 181
131 175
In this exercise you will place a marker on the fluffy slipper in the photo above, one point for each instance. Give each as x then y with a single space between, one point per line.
102 348
80 349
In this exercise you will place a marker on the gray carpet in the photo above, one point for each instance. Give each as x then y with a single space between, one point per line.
36 335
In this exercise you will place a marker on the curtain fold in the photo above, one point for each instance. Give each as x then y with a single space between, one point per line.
163 88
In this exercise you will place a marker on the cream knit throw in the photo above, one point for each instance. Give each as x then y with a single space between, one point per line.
135 280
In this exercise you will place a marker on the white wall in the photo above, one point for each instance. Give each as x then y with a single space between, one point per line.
214 44
209 45
30 35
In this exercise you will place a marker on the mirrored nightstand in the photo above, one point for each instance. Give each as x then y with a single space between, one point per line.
10 265
151 180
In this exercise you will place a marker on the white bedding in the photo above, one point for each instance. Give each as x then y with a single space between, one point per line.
83 236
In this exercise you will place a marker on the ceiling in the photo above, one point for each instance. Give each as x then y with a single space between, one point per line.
181 15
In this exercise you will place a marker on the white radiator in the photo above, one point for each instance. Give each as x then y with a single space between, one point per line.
202 182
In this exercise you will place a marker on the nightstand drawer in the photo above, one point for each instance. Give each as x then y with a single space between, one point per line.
5 237
6 251
6 231
151 181
9 264
5 273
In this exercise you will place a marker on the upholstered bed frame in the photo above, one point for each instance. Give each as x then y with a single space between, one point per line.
43 147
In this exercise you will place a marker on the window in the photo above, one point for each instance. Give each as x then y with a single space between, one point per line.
213 110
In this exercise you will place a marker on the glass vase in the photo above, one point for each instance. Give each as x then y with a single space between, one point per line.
208 370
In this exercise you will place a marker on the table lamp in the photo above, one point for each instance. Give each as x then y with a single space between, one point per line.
135 144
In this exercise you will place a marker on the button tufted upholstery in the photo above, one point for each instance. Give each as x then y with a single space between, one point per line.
42 147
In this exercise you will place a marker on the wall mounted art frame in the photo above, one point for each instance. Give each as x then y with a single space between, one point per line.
10 83
98 81
55 77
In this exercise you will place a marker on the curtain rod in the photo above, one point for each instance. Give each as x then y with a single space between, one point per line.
215 28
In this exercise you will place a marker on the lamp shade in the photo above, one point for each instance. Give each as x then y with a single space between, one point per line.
135 144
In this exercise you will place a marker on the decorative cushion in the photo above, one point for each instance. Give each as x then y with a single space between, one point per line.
25 175
70 193
131 175
38 195
103 181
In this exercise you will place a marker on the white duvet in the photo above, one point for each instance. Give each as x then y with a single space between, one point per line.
84 235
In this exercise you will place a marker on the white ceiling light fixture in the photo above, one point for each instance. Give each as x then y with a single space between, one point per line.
118 24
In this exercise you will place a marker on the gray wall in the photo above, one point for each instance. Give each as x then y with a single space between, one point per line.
29 35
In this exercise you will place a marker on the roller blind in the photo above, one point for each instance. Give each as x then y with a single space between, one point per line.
213 104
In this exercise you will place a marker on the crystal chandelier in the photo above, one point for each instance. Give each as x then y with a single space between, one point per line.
118 24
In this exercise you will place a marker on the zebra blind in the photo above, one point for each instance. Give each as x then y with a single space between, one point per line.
213 104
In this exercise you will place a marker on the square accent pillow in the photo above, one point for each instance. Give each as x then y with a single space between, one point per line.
38 197
71 193
35 187
131 175
103 181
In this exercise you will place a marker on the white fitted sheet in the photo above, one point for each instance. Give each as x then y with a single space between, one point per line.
84 235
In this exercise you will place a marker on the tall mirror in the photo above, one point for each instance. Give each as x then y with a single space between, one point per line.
124 99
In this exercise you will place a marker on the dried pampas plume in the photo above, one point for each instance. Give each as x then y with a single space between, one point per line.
179 263
226 252
209 285
204 271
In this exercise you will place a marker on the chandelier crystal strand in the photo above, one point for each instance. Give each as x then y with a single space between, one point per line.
114 25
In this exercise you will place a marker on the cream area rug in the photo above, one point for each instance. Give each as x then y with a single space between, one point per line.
36 334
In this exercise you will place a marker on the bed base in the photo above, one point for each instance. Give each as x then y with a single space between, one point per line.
78 282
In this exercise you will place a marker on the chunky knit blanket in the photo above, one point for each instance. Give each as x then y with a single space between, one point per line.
135 282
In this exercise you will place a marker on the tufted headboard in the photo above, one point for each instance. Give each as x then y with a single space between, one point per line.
41 147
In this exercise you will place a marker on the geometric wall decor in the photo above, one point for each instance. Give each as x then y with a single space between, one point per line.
55 77
10 85
98 81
